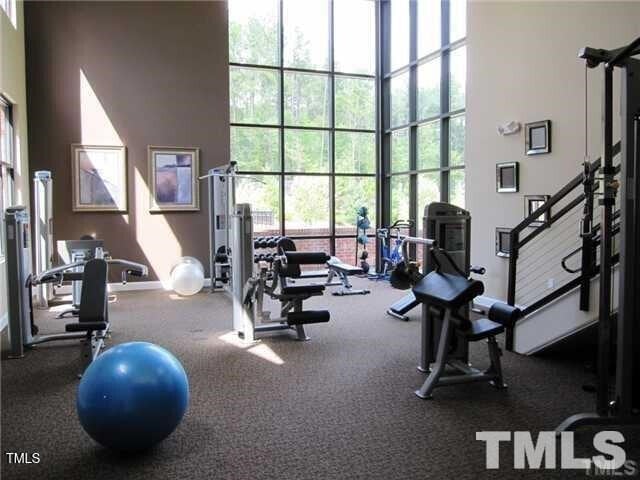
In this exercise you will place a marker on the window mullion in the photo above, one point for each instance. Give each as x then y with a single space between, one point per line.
282 146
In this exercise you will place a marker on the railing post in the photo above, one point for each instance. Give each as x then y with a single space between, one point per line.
514 238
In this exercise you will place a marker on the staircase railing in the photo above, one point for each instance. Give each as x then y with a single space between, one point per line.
540 251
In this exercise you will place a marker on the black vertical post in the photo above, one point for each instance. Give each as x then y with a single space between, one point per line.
607 202
282 166
628 360
414 208
332 135
444 101
383 148
514 238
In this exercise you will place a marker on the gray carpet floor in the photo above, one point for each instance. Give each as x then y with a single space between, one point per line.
338 407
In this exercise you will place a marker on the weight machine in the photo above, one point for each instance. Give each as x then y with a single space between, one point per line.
270 276
93 323
43 232
618 401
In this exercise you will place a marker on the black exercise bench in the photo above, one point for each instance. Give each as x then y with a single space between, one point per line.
449 294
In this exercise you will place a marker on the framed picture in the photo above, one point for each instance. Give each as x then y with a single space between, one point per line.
531 204
538 137
507 177
99 178
173 178
503 242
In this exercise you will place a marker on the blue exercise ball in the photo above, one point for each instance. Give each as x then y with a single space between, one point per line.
132 396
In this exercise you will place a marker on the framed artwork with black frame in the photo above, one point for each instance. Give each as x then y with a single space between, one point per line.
531 204
507 177
503 242
538 137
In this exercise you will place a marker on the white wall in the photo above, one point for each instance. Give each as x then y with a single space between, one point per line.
523 65
13 87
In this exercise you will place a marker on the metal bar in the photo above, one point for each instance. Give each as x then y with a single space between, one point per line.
425 170
332 154
553 219
302 127
563 192
413 115
426 58
606 246
281 126
422 121
562 290
628 327
300 70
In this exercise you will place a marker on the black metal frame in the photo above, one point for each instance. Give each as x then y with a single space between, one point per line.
623 406
528 129
500 188
384 82
617 402
331 175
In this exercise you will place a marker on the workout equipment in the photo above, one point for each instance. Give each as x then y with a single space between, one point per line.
222 197
336 268
618 401
251 284
78 252
450 227
132 397
362 225
390 240
221 182
93 321
43 232
187 276
446 327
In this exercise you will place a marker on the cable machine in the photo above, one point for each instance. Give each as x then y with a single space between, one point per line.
618 397
43 232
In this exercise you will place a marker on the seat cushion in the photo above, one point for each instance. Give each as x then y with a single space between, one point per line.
446 290
482 328
335 264
303 289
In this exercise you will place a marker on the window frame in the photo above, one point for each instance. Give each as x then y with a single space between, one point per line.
443 117
282 173
7 134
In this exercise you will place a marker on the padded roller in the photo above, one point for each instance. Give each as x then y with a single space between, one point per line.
85 326
504 314
306 258
307 317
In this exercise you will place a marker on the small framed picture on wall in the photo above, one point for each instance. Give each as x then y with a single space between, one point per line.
99 178
531 204
503 242
538 137
173 179
507 177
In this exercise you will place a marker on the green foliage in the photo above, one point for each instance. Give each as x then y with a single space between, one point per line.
256 149
355 152
306 151
255 98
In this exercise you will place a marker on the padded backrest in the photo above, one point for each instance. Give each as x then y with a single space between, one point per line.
93 300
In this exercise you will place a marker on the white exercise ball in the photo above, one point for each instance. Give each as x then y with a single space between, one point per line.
187 276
